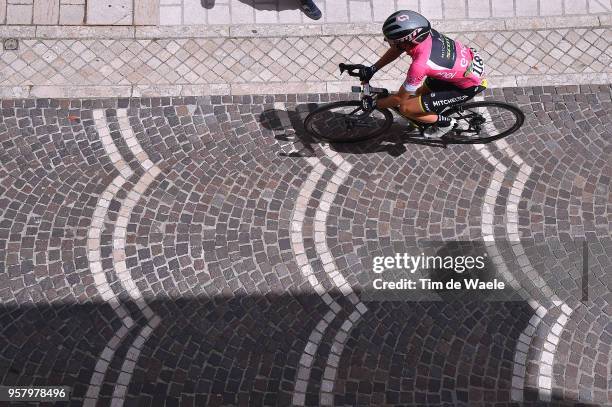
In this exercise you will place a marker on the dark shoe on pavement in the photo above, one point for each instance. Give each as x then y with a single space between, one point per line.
310 9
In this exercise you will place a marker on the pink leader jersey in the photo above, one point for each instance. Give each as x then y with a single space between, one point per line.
441 58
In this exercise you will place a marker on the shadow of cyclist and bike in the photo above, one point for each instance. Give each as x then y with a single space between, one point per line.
288 126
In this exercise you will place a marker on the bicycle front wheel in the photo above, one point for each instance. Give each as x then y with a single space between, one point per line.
346 122
483 122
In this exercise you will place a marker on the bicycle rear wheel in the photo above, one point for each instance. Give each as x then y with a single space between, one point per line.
483 122
346 122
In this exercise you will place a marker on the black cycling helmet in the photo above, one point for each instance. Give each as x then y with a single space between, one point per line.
406 25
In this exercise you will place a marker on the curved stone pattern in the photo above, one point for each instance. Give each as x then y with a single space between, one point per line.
95 258
544 378
252 243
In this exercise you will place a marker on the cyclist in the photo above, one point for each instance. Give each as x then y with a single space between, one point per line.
453 73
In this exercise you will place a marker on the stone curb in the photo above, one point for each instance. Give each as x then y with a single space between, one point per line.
270 88
110 32
284 30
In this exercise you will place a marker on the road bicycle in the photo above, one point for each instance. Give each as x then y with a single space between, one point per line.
355 120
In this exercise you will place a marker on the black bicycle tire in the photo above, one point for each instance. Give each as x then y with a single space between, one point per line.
355 103
520 116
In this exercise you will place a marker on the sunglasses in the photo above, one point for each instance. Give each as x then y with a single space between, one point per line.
399 43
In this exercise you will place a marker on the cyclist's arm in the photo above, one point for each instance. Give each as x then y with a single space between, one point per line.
391 55
416 74
410 88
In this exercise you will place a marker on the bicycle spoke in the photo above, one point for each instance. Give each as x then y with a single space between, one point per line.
347 122
362 124
485 120
355 111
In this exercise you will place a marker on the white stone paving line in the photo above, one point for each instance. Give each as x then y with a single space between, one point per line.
343 168
524 340
94 256
547 356
119 265
552 339
297 244
119 235
544 380
297 222
512 221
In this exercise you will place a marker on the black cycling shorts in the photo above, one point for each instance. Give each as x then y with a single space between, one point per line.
444 94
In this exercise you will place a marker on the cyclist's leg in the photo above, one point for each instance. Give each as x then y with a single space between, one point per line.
408 104
429 100
390 101
401 96
411 106
423 89
444 95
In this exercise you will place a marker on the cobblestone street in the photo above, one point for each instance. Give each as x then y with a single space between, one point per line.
204 251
